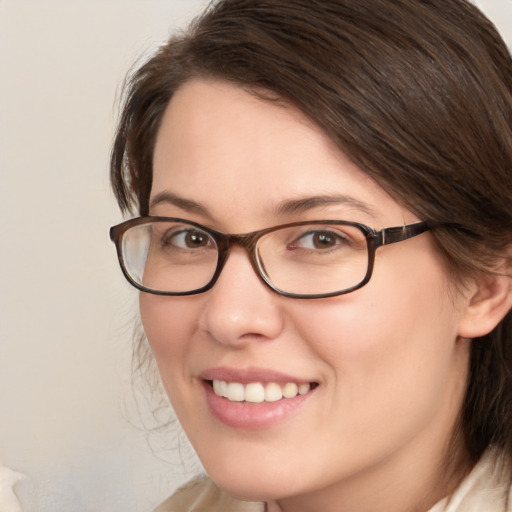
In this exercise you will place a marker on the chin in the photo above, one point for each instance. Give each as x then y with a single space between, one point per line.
248 491
253 486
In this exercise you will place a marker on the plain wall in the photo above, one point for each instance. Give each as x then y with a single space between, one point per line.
67 416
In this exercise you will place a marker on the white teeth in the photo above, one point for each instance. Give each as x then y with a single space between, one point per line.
290 390
256 392
273 392
217 387
304 388
235 392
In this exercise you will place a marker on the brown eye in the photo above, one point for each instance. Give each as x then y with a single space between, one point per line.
187 239
319 240
193 240
323 240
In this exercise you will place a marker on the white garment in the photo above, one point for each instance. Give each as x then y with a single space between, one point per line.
488 488
8 500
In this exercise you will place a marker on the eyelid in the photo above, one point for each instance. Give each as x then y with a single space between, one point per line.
184 227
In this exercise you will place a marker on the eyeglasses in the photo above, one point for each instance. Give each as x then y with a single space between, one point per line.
315 259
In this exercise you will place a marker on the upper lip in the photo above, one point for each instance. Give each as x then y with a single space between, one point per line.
248 375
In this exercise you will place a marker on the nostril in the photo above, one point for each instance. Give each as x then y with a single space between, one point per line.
240 308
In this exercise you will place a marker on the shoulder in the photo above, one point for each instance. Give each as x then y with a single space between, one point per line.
202 495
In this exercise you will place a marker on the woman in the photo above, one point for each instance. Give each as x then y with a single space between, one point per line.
351 350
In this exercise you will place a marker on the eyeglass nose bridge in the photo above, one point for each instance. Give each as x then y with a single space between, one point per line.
248 242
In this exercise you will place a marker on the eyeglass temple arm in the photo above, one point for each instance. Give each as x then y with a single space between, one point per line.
400 233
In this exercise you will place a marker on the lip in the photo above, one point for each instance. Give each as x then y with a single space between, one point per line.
252 416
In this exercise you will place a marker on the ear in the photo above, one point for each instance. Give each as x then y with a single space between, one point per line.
488 301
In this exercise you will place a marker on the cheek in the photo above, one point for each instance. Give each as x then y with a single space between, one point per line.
390 345
169 324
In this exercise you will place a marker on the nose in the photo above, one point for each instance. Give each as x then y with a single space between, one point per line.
240 308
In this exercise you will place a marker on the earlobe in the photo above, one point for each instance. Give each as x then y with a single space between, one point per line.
489 301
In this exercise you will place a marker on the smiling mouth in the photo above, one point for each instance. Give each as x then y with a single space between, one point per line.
257 392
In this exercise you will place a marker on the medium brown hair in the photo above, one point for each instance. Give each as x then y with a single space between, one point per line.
417 93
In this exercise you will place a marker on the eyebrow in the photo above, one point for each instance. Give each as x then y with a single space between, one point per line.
184 204
288 207
302 205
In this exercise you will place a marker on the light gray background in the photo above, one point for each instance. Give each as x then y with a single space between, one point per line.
67 416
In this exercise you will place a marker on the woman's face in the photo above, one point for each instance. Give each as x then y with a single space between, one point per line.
384 363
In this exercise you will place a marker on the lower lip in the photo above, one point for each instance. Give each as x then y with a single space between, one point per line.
251 416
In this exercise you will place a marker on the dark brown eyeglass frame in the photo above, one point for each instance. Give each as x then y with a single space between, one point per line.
224 241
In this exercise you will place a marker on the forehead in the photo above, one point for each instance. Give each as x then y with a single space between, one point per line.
239 155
